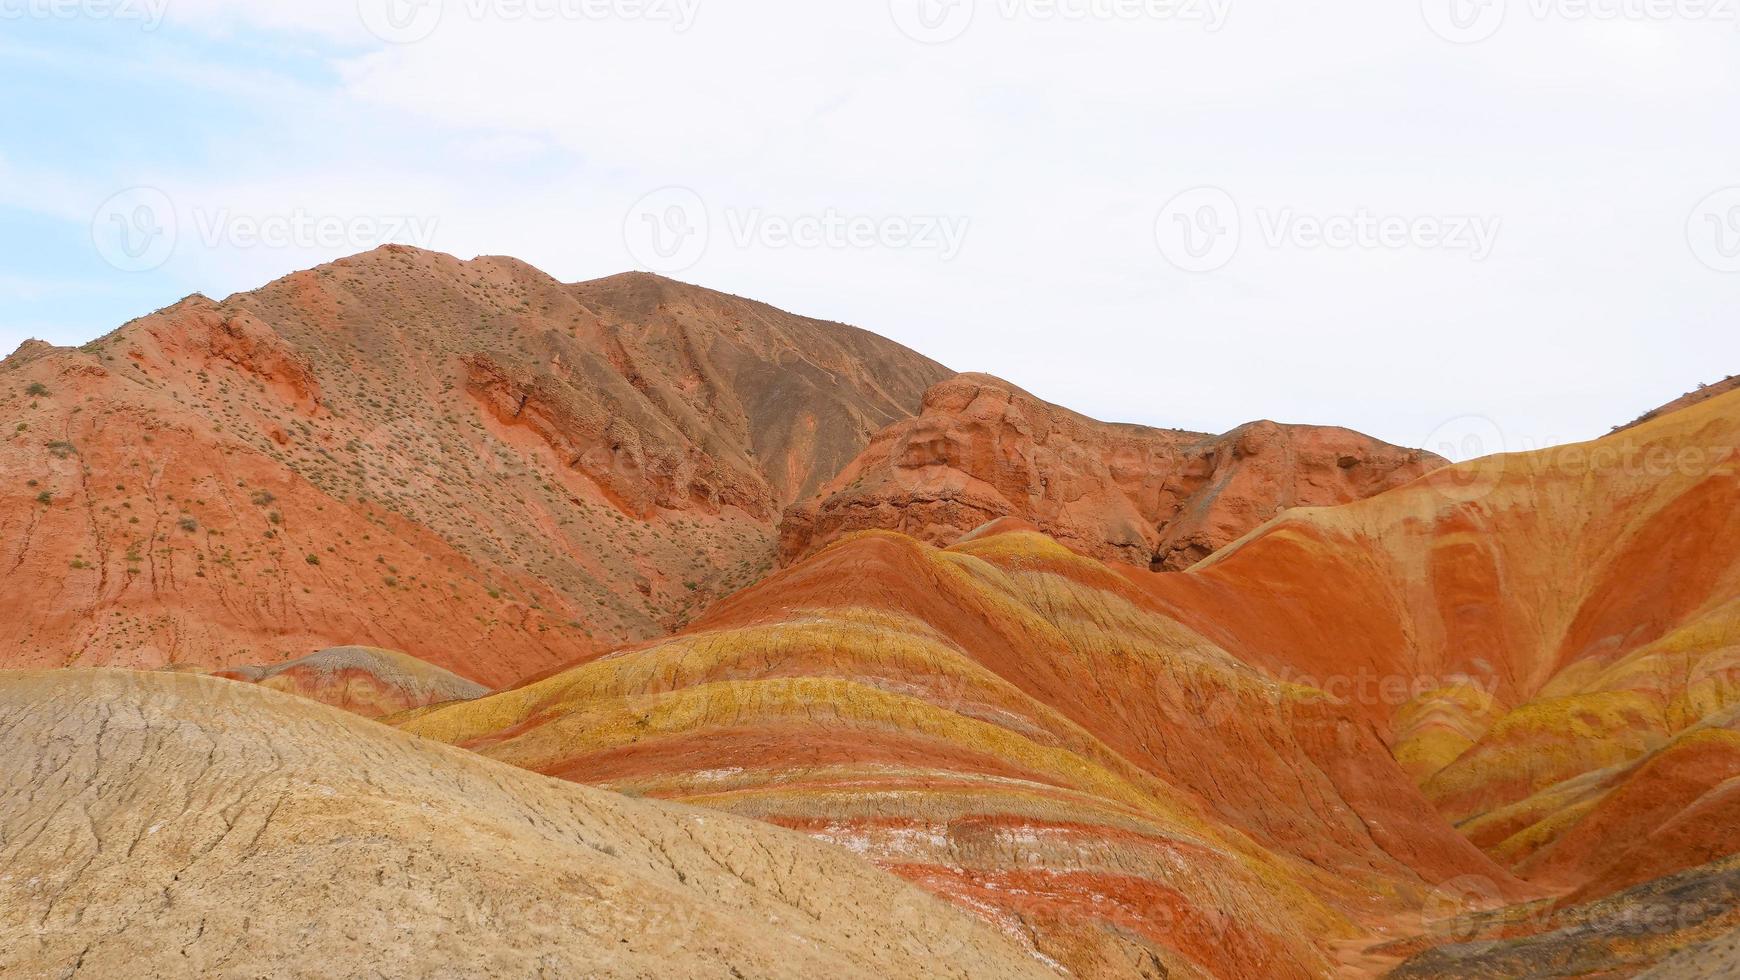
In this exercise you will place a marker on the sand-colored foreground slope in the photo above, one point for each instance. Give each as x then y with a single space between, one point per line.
983 449
1018 729
173 825
1550 641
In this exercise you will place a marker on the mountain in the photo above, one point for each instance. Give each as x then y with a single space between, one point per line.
982 449
1130 702
466 461
1019 729
1702 392
173 825
1549 642
1242 769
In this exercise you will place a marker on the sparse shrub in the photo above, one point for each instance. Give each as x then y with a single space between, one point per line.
37 390
313 559
61 450
45 498
188 524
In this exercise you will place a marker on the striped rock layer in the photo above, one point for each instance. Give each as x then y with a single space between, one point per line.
1242 770
1021 730
1550 642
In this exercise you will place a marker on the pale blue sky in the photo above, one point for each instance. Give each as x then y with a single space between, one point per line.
1006 200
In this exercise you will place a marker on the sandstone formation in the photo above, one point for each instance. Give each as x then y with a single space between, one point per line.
492 471
175 825
1039 695
982 449
1019 729
1550 642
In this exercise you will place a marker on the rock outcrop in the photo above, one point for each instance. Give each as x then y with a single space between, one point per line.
982 449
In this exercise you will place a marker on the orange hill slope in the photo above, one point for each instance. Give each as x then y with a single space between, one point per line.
1016 728
1540 635
467 461
982 449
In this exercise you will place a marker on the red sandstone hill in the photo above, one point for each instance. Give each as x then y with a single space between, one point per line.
1549 642
1511 684
467 461
1701 393
1024 732
983 449
1127 768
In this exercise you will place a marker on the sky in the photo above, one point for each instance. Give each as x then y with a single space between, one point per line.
1469 225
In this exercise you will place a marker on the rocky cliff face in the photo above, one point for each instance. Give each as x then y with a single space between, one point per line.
982 449
466 461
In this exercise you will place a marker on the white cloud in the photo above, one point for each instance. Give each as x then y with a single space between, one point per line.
1059 141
